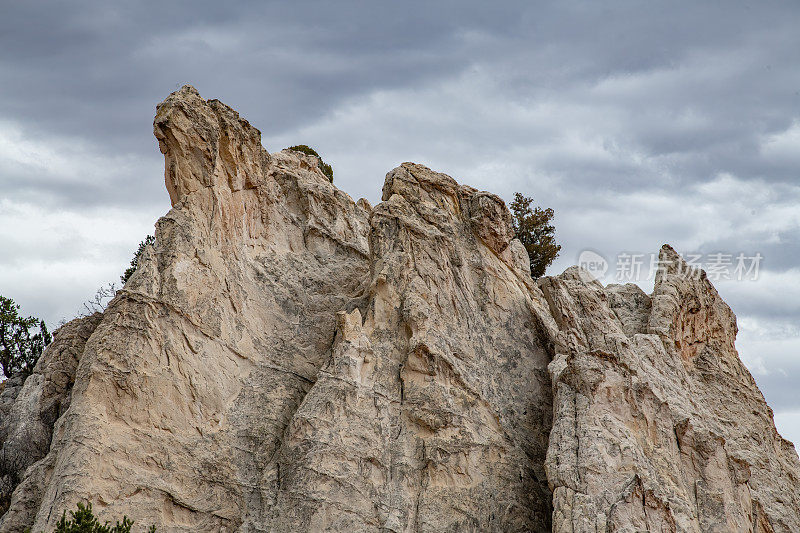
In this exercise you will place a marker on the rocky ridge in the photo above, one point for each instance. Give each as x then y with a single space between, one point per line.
287 359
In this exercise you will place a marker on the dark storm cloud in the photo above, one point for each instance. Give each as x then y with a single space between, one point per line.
96 69
93 71
695 85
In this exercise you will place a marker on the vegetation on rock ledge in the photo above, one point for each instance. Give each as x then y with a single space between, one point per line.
305 149
84 521
135 261
534 229
19 350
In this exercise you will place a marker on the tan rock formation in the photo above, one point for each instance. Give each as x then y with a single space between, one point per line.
658 426
428 416
185 389
28 413
285 359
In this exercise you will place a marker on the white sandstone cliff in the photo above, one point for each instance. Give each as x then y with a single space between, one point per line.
286 359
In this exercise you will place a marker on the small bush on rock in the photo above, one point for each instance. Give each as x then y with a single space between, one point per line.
84 521
533 228
135 261
19 350
305 149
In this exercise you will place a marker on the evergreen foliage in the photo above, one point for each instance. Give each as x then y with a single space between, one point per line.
305 149
150 239
84 521
532 226
19 349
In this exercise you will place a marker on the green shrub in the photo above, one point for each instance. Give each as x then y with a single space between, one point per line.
84 521
533 228
305 149
19 350
135 261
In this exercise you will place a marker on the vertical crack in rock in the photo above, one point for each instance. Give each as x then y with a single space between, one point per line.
285 359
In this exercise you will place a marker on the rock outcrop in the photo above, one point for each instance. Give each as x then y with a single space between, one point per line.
29 411
433 411
286 359
658 426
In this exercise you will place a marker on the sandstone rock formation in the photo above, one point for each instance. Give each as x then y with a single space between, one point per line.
433 411
658 426
29 411
286 359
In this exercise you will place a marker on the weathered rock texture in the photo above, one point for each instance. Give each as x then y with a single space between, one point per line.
285 359
29 411
658 426
433 410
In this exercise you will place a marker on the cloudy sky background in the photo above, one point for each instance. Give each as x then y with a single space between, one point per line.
638 123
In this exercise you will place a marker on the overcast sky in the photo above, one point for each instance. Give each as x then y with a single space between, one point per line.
639 123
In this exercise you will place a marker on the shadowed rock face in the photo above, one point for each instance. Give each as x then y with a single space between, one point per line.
29 409
286 359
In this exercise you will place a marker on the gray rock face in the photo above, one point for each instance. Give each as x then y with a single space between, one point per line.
286 359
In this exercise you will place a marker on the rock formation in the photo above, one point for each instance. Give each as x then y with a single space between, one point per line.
286 359
658 426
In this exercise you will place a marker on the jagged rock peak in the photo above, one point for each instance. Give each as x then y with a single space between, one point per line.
206 144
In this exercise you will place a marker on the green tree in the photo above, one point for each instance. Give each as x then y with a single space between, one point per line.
532 226
305 149
135 261
84 521
19 349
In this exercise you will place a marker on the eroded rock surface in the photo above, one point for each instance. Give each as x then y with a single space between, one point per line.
434 409
185 389
286 359
658 426
30 407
